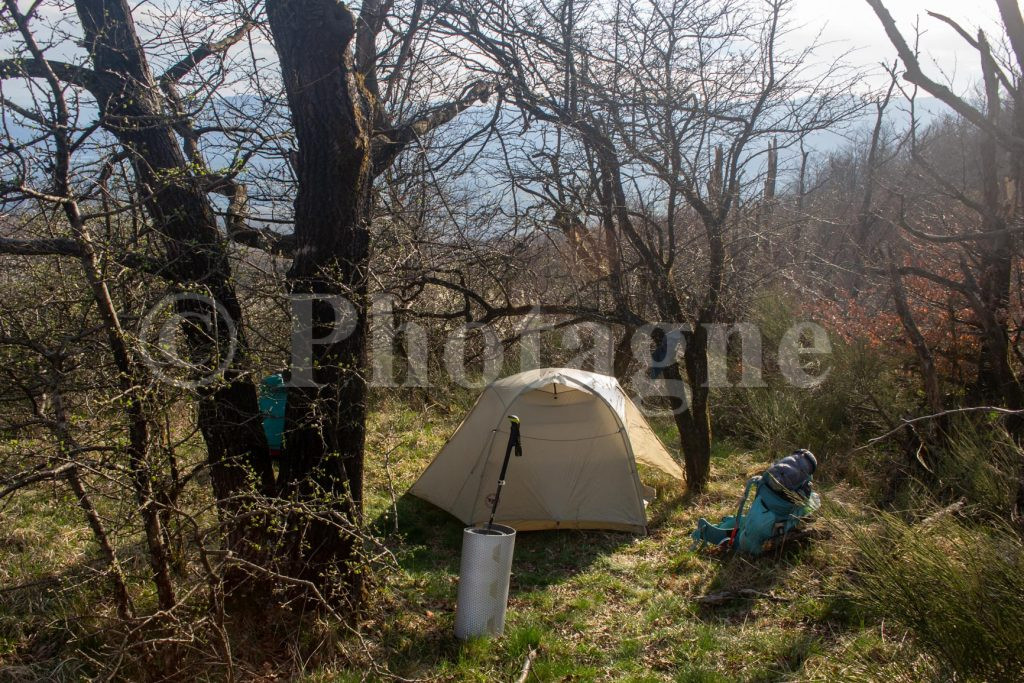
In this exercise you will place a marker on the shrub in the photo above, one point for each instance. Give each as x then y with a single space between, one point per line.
958 590
980 464
860 393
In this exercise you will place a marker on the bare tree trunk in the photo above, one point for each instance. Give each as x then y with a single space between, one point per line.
925 357
326 424
694 424
139 440
125 608
624 353
196 252
996 377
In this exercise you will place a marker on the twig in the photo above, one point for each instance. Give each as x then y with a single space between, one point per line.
908 422
524 673
722 597
13 485
948 510
30 584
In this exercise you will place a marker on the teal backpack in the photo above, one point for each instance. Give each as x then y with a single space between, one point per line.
783 499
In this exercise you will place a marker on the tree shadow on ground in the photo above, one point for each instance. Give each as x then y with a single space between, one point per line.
789 658
428 545
745 589
430 539
62 625
748 580
660 512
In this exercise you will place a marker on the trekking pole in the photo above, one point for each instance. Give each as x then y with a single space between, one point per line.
513 442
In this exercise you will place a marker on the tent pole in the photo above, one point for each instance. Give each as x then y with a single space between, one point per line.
513 443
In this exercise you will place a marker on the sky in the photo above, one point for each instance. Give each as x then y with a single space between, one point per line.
847 25
843 28
850 25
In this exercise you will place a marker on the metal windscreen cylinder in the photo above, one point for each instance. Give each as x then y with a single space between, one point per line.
483 581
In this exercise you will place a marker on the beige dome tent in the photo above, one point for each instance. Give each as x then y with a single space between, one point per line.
582 437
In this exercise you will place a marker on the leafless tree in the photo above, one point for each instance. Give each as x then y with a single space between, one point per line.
671 116
150 157
988 250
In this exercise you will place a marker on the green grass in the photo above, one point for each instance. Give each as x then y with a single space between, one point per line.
958 589
47 550
595 606
610 606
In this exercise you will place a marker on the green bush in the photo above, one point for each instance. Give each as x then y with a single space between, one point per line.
979 464
859 394
958 590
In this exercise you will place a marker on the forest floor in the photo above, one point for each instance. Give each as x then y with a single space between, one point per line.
618 607
592 606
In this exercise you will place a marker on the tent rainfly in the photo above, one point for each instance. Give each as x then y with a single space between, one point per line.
582 437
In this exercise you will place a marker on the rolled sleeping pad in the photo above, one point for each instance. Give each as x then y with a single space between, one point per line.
792 473
483 581
273 402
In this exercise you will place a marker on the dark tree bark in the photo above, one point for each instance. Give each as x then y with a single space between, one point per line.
997 379
326 423
345 139
132 108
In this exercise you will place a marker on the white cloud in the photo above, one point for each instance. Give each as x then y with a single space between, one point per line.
851 25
